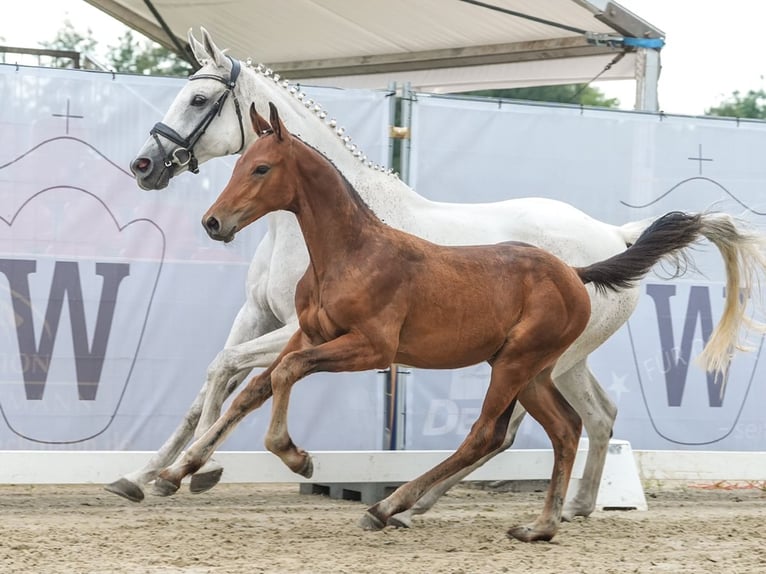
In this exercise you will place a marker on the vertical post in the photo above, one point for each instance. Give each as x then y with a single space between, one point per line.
394 432
399 399
392 104
406 121
647 77
390 384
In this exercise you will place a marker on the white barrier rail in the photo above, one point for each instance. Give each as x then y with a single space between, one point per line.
620 485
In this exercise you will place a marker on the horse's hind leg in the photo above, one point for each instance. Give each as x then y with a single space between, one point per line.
562 424
581 389
426 502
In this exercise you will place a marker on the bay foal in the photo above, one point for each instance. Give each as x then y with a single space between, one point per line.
373 296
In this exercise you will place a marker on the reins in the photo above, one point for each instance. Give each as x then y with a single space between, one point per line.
184 153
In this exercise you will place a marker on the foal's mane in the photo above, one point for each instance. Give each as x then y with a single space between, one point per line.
352 192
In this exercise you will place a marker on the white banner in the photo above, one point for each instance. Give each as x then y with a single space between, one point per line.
618 167
113 300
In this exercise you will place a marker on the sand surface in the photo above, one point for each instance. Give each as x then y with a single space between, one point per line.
272 528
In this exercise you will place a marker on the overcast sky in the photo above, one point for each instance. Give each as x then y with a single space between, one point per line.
712 49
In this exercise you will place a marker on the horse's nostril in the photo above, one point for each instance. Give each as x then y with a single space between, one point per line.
212 224
142 164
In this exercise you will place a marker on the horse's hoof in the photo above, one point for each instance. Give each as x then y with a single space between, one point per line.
528 534
307 469
371 522
163 487
204 481
125 488
572 511
400 521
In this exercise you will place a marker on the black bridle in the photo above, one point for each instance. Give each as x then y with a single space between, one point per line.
184 153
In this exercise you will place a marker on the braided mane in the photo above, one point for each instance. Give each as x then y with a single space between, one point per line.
295 91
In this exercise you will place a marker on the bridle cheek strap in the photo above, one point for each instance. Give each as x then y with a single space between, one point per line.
183 155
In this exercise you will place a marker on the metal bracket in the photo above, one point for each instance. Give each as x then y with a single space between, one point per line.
399 132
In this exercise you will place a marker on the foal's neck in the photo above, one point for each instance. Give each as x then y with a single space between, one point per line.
333 218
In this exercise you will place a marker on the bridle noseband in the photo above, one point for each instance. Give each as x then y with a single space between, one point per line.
184 153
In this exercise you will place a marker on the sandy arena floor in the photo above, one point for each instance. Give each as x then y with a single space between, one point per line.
271 528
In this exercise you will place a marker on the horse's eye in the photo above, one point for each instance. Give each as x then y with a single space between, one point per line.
261 169
198 100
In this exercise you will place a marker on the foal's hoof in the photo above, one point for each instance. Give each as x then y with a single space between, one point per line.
163 487
529 534
307 469
204 481
371 522
125 488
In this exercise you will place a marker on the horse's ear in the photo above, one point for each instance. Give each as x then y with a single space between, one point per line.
276 124
213 51
260 125
197 48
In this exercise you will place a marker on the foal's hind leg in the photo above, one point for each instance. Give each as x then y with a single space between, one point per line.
426 502
581 389
486 437
562 424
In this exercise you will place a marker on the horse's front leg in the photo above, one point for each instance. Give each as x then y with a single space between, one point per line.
251 320
349 352
255 393
225 374
132 484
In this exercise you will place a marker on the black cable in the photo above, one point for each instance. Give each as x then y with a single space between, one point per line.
608 67
526 16
180 50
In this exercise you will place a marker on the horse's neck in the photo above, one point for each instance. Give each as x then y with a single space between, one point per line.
386 194
332 217
299 119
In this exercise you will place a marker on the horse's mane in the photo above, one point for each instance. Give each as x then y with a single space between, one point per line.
294 89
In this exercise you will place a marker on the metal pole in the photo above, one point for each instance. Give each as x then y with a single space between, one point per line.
647 78
406 121
399 399
392 102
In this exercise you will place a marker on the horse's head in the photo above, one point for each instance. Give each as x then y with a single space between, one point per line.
261 180
204 121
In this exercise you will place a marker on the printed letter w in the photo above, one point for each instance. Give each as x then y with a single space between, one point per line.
89 357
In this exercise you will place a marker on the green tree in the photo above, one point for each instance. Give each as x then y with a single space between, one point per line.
67 38
750 105
147 57
566 93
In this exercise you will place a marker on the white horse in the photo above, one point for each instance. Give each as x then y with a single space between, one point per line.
208 109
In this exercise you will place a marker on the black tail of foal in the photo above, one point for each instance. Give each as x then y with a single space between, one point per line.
664 239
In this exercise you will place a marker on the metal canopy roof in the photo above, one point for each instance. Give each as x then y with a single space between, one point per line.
436 45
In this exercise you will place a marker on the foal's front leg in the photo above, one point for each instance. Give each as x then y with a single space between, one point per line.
350 352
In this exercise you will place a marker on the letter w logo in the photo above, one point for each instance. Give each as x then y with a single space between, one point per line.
89 357
676 359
